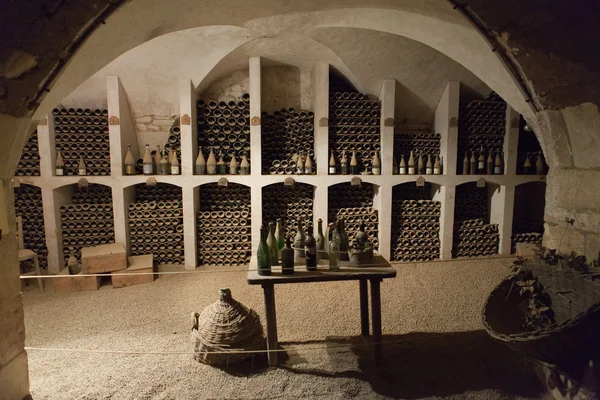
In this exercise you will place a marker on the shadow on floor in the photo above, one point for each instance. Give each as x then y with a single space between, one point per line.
430 364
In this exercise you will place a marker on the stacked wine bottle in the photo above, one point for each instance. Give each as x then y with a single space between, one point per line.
88 220
156 223
174 141
526 232
287 203
424 145
415 224
29 163
82 135
354 204
287 135
28 205
224 128
530 159
473 234
481 129
354 127
224 225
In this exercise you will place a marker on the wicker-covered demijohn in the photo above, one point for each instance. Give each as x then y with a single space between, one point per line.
224 330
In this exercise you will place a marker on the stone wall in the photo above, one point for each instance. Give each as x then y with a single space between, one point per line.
229 88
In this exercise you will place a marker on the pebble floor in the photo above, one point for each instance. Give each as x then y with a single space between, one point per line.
432 311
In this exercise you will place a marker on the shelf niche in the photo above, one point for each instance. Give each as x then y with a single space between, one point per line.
416 222
28 206
287 202
354 204
29 163
528 214
223 221
155 222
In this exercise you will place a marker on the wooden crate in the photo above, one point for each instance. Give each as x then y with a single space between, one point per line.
104 258
76 283
137 264
526 249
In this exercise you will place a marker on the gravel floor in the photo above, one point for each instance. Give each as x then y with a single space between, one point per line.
433 310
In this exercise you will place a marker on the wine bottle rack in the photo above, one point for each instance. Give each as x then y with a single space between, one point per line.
28 205
481 125
29 163
287 203
88 220
473 234
415 224
420 143
155 223
224 225
83 133
174 142
285 134
354 126
224 127
354 204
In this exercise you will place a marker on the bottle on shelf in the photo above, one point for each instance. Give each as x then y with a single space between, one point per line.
354 165
498 164
279 237
437 168
272 243
175 168
466 164
300 165
129 162
320 240
163 165
244 166
157 158
310 251
287 258
148 166
473 164
211 163
299 242
539 165
262 254
308 165
72 263
411 163
233 166
429 166
420 164
200 163
334 250
221 167
344 163
376 164
81 170
332 170
490 164
402 166
481 163
527 165
60 165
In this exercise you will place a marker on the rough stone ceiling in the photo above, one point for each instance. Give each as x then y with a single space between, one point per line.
150 72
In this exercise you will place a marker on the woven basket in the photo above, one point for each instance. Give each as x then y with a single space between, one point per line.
226 327
572 341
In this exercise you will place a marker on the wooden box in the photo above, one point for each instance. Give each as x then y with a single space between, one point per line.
76 283
526 249
104 258
137 264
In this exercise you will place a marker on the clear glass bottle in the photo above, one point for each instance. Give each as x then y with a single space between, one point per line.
411 163
498 164
60 165
175 168
129 162
402 166
148 165
332 169
81 170
429 166
437 168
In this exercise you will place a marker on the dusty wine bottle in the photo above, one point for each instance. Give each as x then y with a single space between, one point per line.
402 166
244 166
466 164
299 242
308 166
279 237
344 163
527 165
310 251
200 163
233 166
163 165
81 170
411 164
498 164
473 164
334 251
420 164
211 163
354 164
437 168
221 167
539 165
60 165
129 162
376 164
429 166
320 240
175 168
287 258
262 254
148 167
332 170
481 163
157 158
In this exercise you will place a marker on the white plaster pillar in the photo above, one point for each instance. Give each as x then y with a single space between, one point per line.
255 118
121 128
46 147
320 206
321 107
502 204
382 202
446 196
188 126
191 202
511 141
446 123
387 95
52 199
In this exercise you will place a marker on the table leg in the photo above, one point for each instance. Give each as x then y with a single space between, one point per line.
364 308
269 292
376 318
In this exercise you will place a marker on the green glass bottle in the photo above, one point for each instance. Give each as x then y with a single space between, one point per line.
310 251
299 242
344 244
272 243
320 240
334 251
287 258
262 254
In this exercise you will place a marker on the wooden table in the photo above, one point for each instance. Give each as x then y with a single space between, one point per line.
380 269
